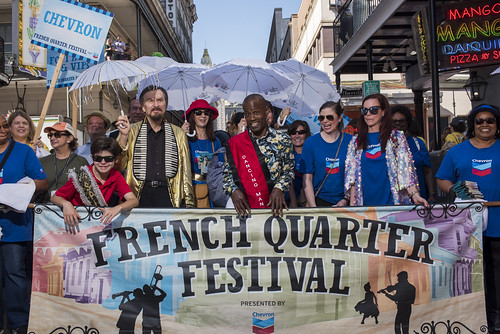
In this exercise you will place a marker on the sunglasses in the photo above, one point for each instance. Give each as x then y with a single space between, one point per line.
5 126
321 118
298 132
199 112
480 121
373 110
107 158
57 134
399 121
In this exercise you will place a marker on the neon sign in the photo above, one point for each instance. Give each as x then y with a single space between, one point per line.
468 34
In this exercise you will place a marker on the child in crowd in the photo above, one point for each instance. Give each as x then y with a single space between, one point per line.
94 186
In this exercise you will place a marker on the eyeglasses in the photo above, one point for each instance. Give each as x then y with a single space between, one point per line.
299 132
373 110
5 126
57 134
399 121
321 118
107 158
480 121
200 111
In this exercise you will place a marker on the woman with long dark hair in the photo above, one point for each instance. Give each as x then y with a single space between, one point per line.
381 170
322 160
202 145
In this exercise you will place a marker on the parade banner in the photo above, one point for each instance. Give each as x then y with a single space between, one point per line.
342 270
32 58
70 70
72 28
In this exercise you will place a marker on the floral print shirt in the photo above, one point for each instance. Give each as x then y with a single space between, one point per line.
277 149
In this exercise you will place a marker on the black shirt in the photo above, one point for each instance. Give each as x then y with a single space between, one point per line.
155 158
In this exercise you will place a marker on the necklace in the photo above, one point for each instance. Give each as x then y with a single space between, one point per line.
62 171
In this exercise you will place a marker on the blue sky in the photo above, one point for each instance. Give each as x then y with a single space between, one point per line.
236 28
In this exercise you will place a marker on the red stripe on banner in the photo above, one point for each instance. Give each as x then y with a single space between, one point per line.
481 172
267 330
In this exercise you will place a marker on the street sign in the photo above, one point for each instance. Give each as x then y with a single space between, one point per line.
371 87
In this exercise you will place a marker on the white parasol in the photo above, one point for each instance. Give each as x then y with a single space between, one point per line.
311 88
236 79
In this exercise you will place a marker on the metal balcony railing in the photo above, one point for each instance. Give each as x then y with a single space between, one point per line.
351 14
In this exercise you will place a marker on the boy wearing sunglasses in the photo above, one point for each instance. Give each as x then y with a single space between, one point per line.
95 185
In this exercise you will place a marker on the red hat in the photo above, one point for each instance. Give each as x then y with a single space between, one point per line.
202 104
61 127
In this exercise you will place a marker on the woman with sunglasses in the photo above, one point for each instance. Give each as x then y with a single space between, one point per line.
62 159
298 131
23 131
200 119
95 186
322 160
478 159
381 170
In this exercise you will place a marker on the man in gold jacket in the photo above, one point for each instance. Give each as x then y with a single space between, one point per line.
156 155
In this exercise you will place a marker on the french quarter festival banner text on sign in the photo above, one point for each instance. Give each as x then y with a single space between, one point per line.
344 270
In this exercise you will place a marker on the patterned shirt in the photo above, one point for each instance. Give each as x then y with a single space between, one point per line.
277 149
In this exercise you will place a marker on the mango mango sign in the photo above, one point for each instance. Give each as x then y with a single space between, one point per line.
189 271
72 28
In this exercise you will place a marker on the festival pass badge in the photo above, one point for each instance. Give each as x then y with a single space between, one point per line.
72 28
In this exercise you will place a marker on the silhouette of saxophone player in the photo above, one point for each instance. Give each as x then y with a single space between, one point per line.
130 310
404 297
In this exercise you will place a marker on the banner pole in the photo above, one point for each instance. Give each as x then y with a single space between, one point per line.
74 113
48 98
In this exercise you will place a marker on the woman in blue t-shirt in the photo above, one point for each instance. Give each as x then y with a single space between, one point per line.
380 166
322 160
478 159
202 145
402 120
298 131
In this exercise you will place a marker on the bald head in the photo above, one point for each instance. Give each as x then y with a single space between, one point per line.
255 111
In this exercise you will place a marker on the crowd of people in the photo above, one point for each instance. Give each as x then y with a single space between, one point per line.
117 49
148 162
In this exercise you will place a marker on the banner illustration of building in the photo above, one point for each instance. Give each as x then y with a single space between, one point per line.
354 270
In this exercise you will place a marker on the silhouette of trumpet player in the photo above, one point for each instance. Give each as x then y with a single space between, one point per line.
145 299
151 304
404 297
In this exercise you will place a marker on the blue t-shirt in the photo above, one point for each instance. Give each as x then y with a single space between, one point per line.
374 175
464 162
317 159
297 181
21 162
421 158
201 152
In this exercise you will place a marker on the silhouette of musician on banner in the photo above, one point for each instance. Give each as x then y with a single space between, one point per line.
145 299
404 297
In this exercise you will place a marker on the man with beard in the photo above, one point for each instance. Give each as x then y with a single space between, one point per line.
260 162
156 155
